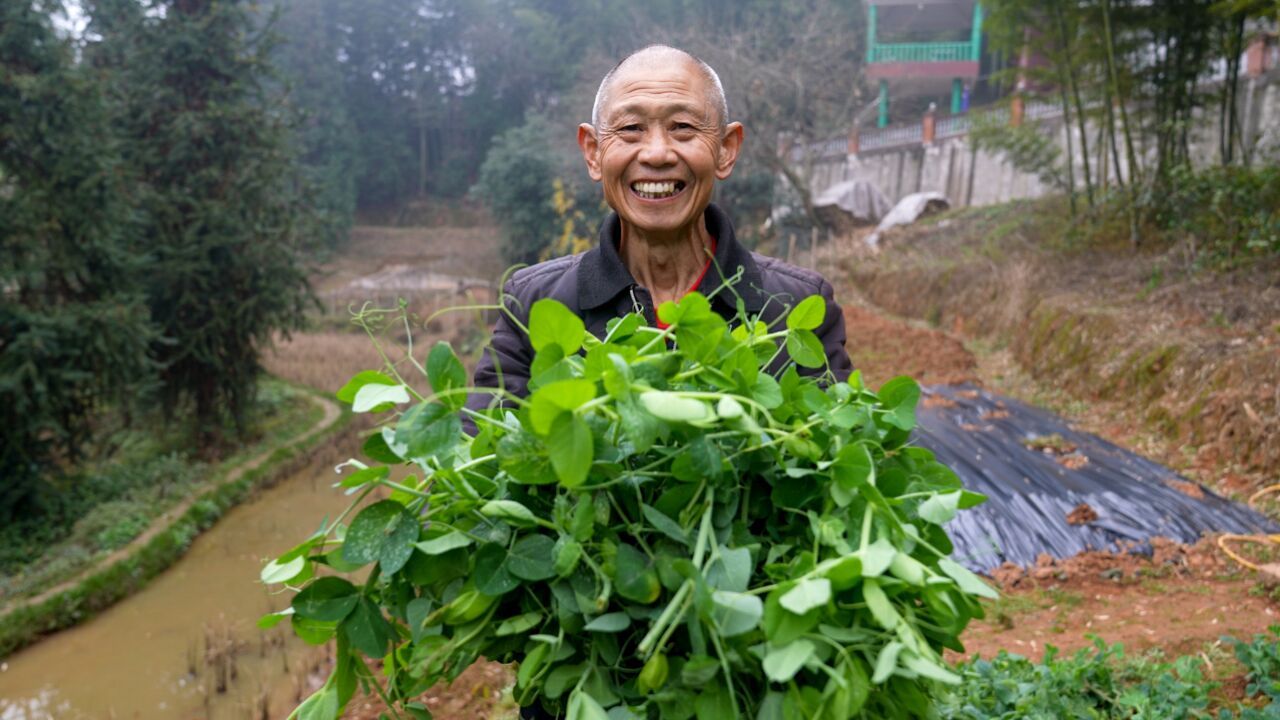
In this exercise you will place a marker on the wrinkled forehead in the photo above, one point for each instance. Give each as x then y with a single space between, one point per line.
659 86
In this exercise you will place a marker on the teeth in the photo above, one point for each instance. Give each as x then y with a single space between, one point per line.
654 190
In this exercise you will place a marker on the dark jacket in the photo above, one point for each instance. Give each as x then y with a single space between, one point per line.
597 286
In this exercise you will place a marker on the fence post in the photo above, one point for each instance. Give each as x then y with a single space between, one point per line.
1255 56
852 142
929 125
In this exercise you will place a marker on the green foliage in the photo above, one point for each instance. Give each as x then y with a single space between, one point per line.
1261 659
222 210
517 183
23 623
74 330
653 530
127 477
1098 683
1104 683
1230 214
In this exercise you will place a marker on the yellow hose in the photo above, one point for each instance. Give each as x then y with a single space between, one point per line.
1259 539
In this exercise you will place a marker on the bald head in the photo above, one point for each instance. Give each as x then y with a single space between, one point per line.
660 56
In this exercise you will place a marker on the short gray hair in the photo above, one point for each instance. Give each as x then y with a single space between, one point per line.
717 97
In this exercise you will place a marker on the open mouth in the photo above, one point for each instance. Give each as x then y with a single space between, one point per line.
660 190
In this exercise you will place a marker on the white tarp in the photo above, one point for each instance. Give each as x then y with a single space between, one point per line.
861 199
908 210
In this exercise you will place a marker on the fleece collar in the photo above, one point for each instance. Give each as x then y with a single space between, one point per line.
602 274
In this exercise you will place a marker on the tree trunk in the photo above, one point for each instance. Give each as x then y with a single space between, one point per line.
1075 93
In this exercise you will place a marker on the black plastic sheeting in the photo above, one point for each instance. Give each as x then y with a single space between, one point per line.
995 445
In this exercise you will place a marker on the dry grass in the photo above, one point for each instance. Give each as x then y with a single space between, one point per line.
431 268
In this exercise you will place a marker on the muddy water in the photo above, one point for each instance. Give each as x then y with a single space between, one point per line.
165 652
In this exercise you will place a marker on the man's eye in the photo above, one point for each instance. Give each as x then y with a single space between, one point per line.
683 126
630 128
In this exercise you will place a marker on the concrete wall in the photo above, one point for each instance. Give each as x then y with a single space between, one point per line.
952 167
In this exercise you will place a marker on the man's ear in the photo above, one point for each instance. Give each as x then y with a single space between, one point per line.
590 146
730 147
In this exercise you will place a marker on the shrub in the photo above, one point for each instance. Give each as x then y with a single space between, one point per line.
1230 214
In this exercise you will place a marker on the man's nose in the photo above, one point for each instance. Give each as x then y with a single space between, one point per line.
657 150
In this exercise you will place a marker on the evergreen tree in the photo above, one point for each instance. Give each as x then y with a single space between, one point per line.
74 327
219 189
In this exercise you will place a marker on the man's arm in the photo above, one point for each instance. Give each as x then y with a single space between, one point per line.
832 334
506 359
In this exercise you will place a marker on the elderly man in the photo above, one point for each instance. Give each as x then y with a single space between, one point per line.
658 141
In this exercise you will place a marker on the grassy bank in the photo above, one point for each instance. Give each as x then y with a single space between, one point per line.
108 577
1184 350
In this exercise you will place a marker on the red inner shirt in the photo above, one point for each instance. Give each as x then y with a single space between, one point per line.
696 283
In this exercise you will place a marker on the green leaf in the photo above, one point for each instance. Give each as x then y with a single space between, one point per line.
967 581
731 571
713 703
416 614
845 701
664 524
367 475
878 603
899 397
384 532
851 472
886 662
313 632
940 508
519 624
808 315
270 620
531 558
551 323
322 705
367 377
443 544
634 576
782 626
509 511
571 449
550 401
584 707
613 622
328 599
672 407
278 572
736 613
491 574
782 663
807 594
377 398
367 630
562 678
876 557
428 429
924 667
767 392
523 456
806 349
699 670
567 553
377 448
446 373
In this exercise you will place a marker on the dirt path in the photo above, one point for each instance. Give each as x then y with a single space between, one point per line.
166 519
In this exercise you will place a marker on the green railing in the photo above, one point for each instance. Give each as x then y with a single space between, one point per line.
921 52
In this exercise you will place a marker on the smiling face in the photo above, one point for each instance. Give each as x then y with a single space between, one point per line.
660 146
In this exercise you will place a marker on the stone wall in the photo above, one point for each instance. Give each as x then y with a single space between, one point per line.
951 165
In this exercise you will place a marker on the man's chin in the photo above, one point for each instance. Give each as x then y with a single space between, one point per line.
653 221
